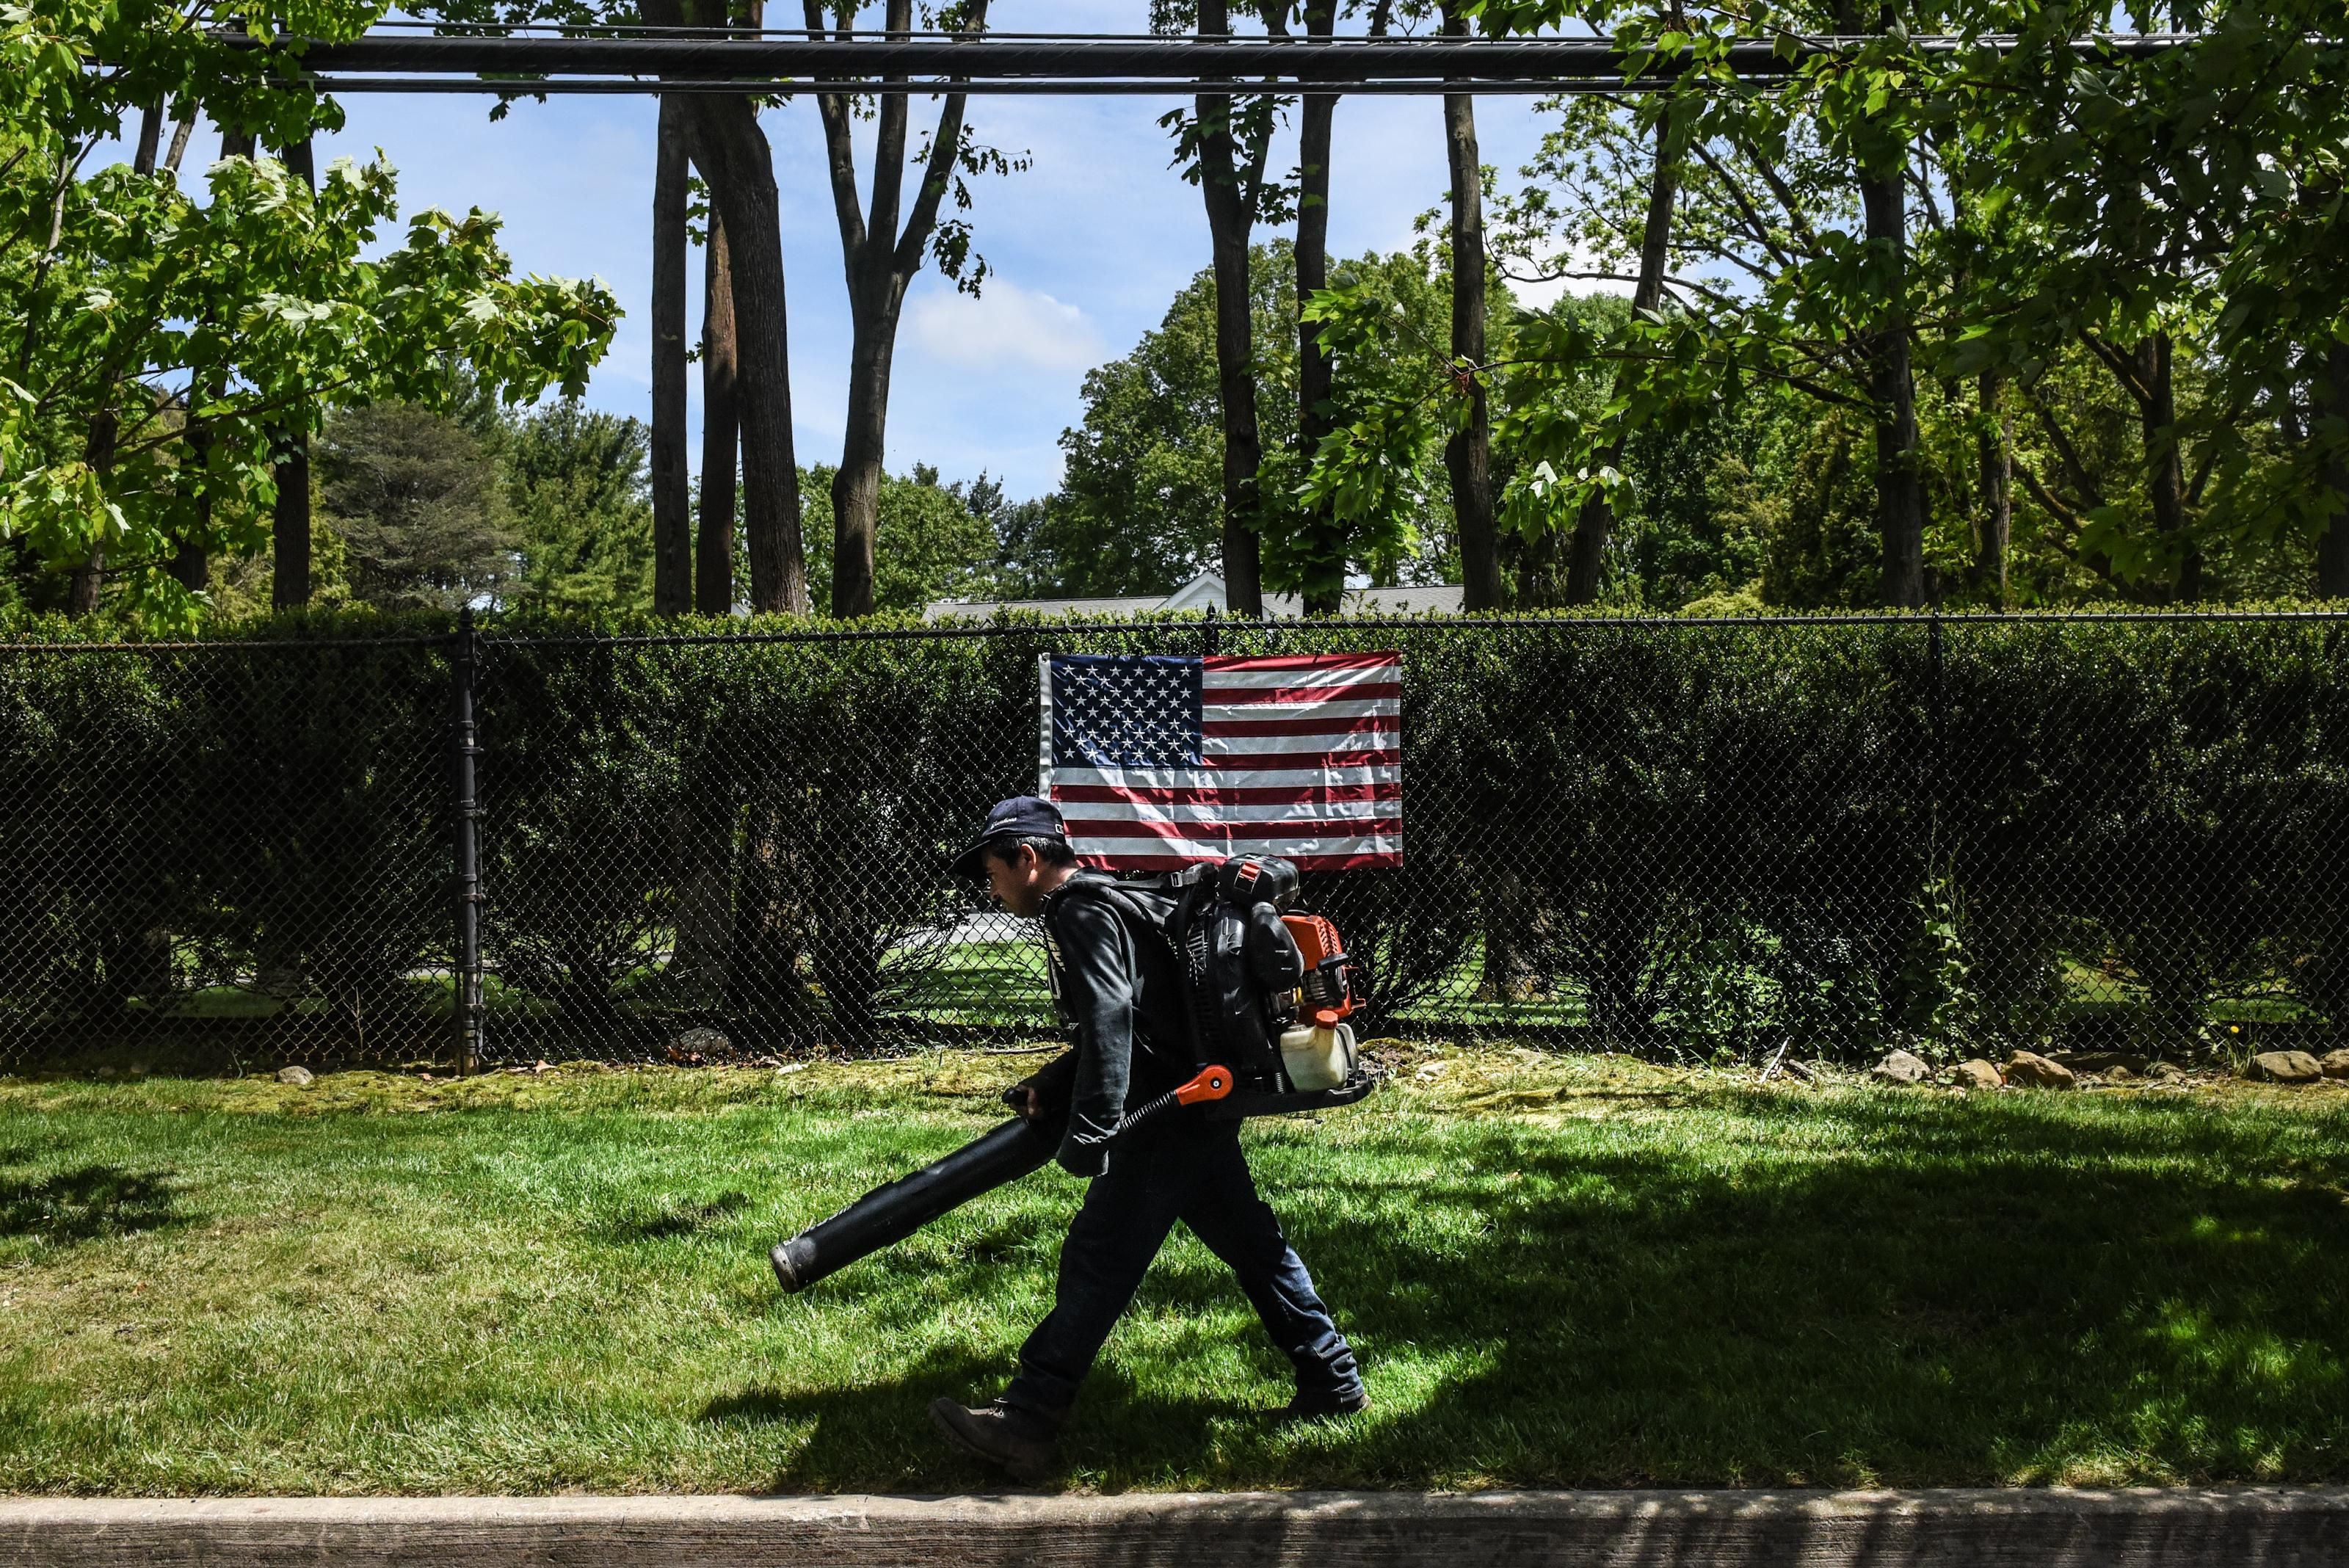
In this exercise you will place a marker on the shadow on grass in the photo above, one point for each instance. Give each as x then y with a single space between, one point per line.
70 1206
673 1218
880 1427
1960 1296
1842 1291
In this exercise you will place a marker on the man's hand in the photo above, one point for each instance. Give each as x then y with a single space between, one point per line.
1044 1095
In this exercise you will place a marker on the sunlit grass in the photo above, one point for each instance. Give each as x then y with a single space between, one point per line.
1558 1271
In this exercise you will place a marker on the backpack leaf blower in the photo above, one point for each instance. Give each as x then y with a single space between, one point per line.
1266 1002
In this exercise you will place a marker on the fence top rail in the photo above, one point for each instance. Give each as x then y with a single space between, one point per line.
225 644
1190 626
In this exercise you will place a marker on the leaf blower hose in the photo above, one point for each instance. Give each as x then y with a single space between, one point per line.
890 1213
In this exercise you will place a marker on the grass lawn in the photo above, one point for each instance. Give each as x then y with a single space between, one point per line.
1557 1271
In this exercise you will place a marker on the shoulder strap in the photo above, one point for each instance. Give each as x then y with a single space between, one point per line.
1191 887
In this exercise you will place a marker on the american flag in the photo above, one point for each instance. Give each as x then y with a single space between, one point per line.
1159 761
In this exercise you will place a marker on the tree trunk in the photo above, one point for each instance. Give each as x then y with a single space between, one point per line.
1231 213
740 167
672 508
2164 463
856 488
2333 545
290 519
1242 445
704 830
1900 487
151 139
1587 555
724 137
183 129
89 578
1325 590
1467 456
290 526
191 564
721 419
880 259
1994 452
1900 492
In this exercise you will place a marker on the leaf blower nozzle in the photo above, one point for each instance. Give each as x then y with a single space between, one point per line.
890 1213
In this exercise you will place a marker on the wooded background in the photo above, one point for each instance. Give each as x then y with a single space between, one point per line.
1969 308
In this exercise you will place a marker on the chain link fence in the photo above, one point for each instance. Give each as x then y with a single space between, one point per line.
1821 835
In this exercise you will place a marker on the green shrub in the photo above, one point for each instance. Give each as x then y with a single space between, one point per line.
1685 836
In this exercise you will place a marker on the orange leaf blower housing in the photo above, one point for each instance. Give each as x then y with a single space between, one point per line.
1324 993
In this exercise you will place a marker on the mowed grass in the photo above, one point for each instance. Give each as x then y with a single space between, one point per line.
1558 1272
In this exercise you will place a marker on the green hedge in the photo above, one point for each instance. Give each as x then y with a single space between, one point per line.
1683 836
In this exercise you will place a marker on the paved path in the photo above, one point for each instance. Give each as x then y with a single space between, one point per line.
2250 1527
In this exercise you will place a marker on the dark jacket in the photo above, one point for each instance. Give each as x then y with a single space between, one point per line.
1120 999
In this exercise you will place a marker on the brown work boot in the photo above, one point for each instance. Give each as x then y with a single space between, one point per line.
1024 1445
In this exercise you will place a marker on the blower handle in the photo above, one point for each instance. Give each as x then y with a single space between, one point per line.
1211 1084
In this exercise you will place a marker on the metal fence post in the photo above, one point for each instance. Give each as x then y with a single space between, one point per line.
1937 735
463 750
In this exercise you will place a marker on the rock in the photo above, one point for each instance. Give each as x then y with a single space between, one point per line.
695 1047
2097 1061
1900 1067
2032 1071
2286 1067
2166 1073
1977 1074
2334 1063
297 1076
2119 1075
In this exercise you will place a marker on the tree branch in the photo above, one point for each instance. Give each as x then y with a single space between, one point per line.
840 155
2064 451
1783 192
937 174
889 142
2117 363
1759 230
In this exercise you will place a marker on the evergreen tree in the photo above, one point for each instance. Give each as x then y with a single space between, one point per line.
416 499
577 488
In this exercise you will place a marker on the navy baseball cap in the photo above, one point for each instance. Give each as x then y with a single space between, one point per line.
1021 817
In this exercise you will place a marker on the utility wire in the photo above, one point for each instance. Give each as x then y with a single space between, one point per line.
634 59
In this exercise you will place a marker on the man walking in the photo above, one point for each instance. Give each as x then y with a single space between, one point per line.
1118 995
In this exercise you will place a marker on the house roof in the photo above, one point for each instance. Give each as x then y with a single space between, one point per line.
1204 590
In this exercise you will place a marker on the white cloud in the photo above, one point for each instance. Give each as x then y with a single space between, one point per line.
1005 325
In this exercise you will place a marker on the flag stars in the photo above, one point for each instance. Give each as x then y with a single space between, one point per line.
1126 713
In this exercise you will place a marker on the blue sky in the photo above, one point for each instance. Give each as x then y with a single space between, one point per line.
1088 246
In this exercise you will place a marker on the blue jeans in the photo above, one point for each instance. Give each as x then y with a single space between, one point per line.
1193 1171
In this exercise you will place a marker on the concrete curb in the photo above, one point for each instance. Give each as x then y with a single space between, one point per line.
1788 1529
